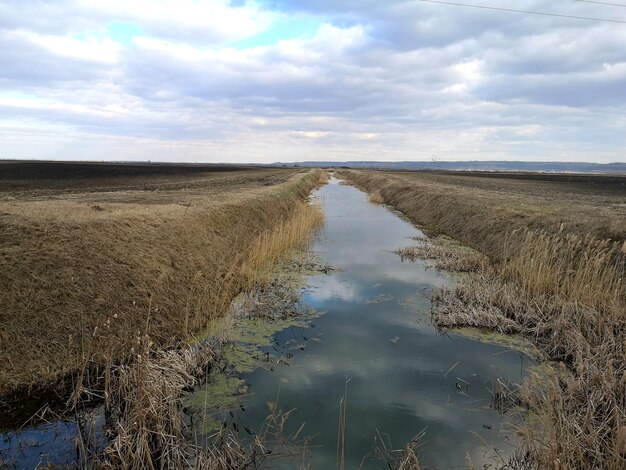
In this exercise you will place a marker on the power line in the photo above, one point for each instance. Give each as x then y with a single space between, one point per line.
602 3
529 12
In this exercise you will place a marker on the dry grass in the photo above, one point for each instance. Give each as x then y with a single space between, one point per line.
444 255
143 395
480 212
398 459
376 198
552 281
83 284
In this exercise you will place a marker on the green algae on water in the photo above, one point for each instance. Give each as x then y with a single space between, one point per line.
260 332
220 393
241 355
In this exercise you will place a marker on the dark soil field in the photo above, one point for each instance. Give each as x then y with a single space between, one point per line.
25 179
610 189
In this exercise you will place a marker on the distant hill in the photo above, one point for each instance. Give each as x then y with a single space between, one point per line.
552 167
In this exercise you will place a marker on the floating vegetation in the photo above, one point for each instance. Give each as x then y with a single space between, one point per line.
255 318
510 341
242 358
220 393
406 301
446 254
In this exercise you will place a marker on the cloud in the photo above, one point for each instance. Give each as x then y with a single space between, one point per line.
401 80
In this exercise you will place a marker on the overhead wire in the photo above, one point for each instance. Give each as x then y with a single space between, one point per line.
622 5
529 12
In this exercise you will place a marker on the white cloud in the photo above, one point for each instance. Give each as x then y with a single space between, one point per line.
394 80
90 49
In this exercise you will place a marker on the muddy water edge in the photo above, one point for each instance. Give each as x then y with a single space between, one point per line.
367 358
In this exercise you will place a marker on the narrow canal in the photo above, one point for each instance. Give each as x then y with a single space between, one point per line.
402 376
374 339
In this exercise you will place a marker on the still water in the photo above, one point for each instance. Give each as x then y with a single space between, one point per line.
376 332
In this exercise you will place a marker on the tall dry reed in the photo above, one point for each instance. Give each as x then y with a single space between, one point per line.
577 269
376 198
293 233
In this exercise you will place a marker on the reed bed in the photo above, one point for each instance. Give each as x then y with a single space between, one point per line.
561 285
376 198
443 255
145 410
574 268
146 414
579 414
291 234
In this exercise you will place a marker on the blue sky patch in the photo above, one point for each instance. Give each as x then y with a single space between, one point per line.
123 32
286 27
119 31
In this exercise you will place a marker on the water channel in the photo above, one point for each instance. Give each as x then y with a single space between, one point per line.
376 333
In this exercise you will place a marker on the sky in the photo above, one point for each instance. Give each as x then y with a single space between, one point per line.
294 80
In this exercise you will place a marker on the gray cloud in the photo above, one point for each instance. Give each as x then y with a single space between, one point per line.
393 80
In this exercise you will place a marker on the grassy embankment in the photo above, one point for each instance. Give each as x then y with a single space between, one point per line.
556 274
147 394
93 266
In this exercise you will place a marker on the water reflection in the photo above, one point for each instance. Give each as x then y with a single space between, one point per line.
377 333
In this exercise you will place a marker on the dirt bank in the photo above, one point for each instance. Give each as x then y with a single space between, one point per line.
479 211
85 274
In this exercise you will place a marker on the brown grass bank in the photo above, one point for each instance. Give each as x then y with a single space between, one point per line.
146 394
555 277
87 275
480 211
